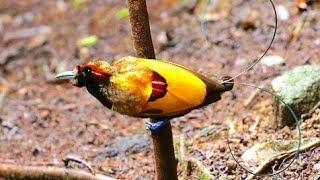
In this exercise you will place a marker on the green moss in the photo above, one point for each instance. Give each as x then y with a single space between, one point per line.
299 88
176 146
203 176
294 83
124 12
88 41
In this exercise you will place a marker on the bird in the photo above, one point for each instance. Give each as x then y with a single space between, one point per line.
147 88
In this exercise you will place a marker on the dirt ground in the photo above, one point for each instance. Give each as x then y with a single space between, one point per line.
43 120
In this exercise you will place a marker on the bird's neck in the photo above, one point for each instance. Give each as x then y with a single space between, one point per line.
98 91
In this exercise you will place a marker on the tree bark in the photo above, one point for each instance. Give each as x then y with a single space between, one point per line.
139 21
166 164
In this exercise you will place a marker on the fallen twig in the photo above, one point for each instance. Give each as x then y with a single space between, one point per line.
251 98
26 33
294 35
78 159
182 147
309 114
254 126
10 171
282 155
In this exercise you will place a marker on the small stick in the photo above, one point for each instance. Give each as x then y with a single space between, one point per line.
182 147
78 159
11 171
309 114
254 126
290 153
251 97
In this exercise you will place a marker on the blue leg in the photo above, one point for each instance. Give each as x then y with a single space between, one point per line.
157 125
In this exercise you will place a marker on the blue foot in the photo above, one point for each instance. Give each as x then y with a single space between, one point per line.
157 125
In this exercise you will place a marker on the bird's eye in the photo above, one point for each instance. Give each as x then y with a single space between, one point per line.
87 70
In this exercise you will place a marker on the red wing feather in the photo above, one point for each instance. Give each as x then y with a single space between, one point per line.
159 87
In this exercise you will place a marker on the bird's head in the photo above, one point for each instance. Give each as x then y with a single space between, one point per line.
88 73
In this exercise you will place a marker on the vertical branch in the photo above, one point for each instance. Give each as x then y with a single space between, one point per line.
166 164
139 21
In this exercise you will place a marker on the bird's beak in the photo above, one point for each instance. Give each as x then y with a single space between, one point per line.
66 75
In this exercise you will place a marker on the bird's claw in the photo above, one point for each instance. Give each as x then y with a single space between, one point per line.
156 125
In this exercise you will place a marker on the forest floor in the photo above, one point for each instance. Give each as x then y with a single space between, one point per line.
43 120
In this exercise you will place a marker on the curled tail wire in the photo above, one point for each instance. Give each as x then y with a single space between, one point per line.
230 81
297 124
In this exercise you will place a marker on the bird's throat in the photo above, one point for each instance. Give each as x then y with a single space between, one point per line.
98 91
